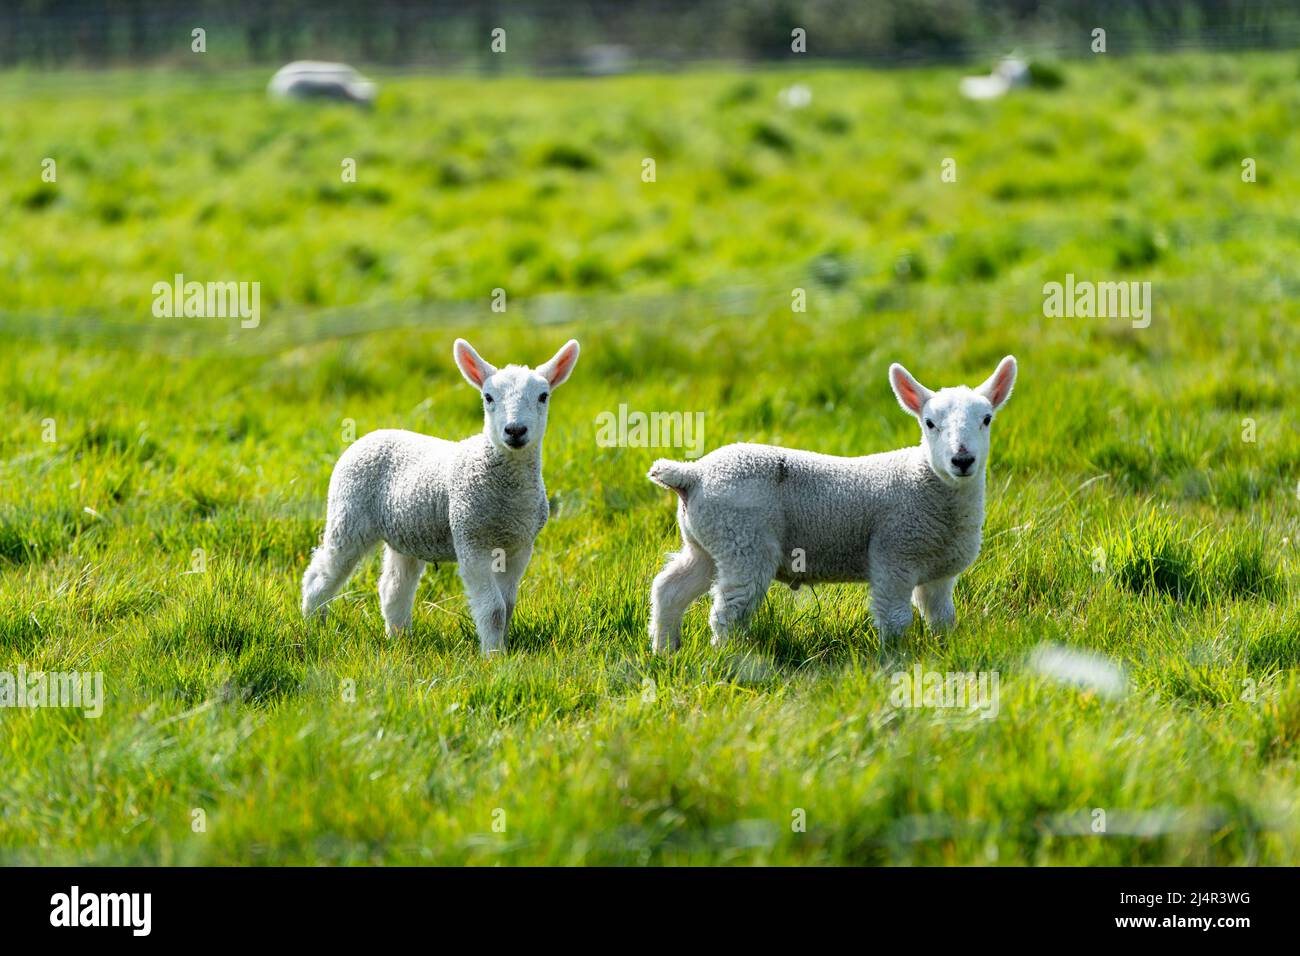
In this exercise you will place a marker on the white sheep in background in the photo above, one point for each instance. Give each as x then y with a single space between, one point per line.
479 502
1010 73
313 79
907 521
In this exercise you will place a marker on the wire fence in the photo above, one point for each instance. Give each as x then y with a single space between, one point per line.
716 304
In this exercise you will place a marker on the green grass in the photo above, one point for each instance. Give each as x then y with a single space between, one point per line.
161 536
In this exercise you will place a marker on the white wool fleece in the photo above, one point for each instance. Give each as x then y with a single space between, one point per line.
907 521
480 502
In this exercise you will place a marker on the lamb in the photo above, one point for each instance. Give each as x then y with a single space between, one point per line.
479 502
908 521
313 79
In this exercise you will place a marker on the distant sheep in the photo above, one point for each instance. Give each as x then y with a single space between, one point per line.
1010 73
312 79
907 521
479 502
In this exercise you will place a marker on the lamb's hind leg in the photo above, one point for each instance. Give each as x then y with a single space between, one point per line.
685 578
745 572
397 586
331 565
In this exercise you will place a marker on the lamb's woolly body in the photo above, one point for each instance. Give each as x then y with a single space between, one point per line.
829 515
421 494
480 502
907 521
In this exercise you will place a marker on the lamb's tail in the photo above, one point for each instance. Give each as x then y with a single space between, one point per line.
678 476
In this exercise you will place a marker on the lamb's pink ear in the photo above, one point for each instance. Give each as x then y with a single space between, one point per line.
911 394
999 385
471 364
561 364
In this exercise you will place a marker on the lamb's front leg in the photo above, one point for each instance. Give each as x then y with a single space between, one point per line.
515 566
891 608
934 600
486 605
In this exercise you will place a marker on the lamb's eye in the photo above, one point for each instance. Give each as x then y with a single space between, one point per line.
929 424
488 398
987 419
543 397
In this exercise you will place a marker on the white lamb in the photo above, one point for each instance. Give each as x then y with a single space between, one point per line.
312 79
479 502
907 521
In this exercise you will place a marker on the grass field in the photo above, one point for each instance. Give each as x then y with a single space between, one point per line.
162 480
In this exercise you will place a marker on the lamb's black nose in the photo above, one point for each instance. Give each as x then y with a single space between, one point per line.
515 434
963 462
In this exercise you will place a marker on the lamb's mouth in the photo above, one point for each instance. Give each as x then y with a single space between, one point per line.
516 443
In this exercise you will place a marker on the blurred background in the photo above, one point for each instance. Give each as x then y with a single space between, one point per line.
607 35
470 177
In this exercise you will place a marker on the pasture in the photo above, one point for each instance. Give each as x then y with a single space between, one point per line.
162 480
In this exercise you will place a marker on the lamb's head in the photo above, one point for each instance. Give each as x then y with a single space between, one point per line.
515 398
955 421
